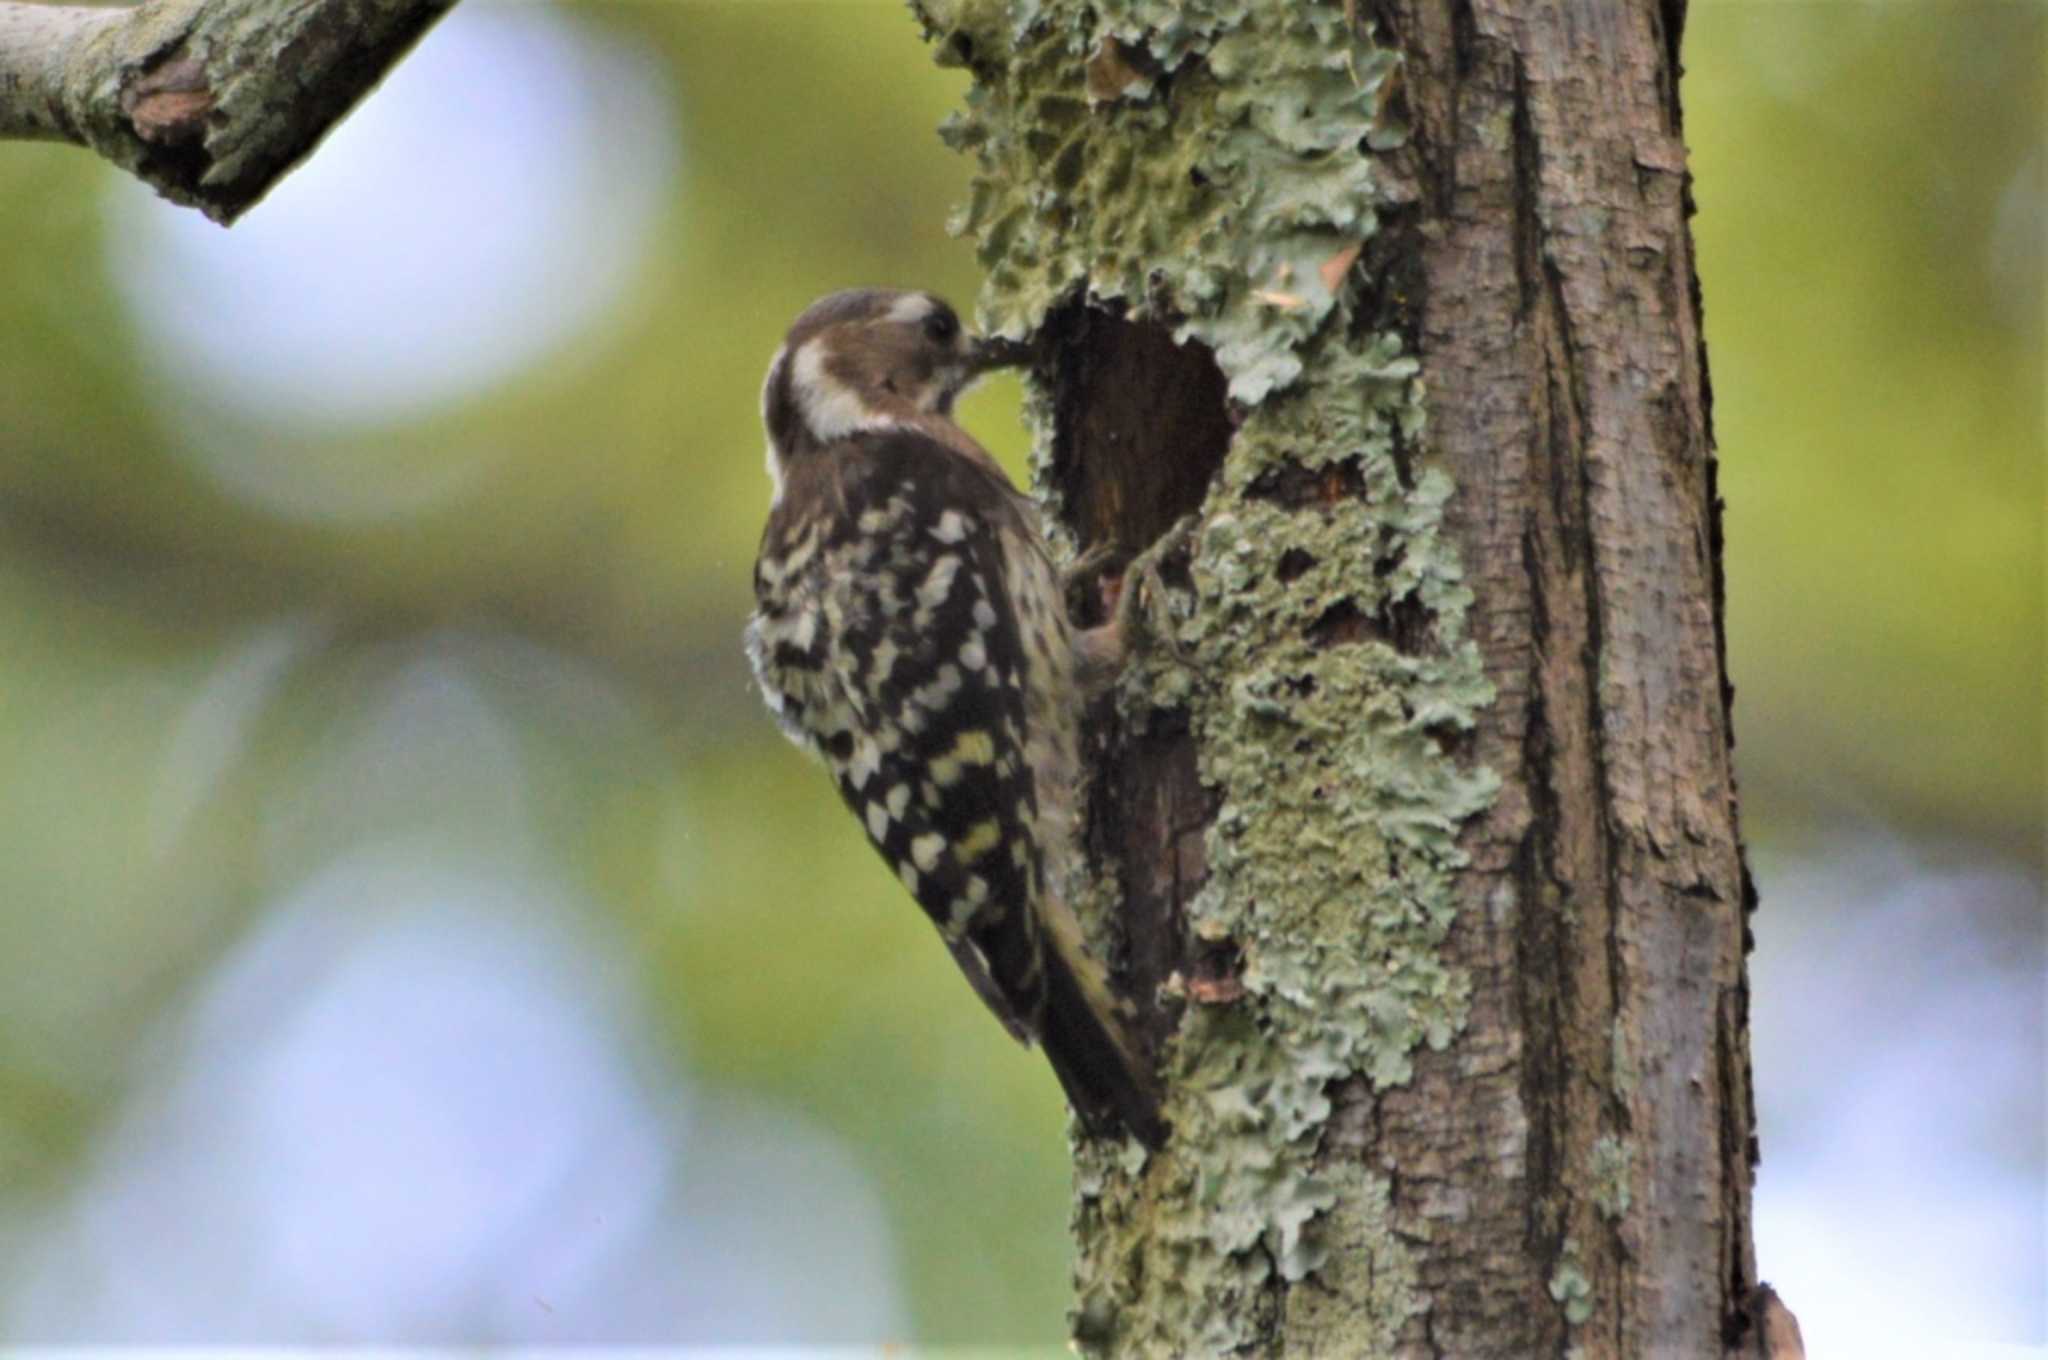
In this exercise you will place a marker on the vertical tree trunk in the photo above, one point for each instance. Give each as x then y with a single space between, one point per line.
1424 834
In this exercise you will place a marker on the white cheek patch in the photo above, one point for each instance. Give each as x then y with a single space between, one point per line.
911 308
830 409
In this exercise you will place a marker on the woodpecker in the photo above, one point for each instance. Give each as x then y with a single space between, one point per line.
910 631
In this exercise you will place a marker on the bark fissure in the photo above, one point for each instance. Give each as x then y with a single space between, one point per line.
1139 463
1140 421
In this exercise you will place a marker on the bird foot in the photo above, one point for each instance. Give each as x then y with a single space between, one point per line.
1141 614
1135 601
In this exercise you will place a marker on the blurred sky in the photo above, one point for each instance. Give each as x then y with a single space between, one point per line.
411 931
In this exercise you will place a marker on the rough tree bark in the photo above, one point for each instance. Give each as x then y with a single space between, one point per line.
210 102
1424 843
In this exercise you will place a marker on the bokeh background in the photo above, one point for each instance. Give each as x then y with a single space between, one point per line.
412 931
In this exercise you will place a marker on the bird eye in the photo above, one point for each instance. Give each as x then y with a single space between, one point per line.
941 327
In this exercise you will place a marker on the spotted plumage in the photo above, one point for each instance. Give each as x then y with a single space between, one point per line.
910 632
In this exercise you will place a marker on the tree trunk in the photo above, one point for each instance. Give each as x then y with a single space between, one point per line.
1422 835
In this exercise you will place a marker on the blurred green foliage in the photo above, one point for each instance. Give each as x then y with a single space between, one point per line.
1870 231
1871 235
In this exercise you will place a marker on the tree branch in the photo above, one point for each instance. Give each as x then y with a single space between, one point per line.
210 102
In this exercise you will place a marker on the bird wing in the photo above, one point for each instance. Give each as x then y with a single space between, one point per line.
921 649
912 685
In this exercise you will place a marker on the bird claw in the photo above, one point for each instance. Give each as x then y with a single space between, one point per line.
1134 600
1138 624
1082 570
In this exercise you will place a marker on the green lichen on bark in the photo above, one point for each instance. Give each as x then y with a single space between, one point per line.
1211 165
1569 1287
1331 858
1080 185
1613 1163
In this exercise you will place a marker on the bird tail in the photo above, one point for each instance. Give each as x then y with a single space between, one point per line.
1084 1032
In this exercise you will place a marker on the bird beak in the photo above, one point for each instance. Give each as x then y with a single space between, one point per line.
989 352
996 352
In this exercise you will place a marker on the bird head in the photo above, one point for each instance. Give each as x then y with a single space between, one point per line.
868 360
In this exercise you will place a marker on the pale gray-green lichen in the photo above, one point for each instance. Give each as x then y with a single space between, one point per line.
1229 230
1325 674
1612 1162
1622 1058
1569 1287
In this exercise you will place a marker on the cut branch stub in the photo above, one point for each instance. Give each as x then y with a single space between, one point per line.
210 102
